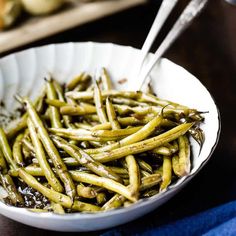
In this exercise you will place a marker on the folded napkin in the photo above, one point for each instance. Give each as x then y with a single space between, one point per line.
218 221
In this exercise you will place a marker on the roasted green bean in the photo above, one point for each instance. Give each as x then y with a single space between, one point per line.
40 154
181 162
51 150
166 172
54 112
84 159
106 80
103 182
112 115
87 141
134 175
143 146
11 189
6 149
99 104
17 150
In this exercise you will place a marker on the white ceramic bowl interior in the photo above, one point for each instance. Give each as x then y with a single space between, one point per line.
23 73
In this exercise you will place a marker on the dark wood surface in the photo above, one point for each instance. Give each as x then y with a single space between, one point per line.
207 49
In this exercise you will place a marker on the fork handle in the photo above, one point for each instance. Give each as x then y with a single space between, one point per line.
164 11
185 19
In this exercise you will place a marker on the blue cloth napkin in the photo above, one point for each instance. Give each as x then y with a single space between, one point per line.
218 221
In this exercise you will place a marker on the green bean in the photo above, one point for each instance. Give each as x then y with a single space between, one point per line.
105 126
112 115
39 103
34 170
82 126
134 175
181 162
166 173
27 143
56 103
75 81
76 110
82 206
19 126
88 95
138 95
150 181
168 112
17 150
126 182
97 133
106 80
116 201
99 104
84 83
90 88
145 145
27 154
80 135
11 189
100 125
150 193
174 147
91 118
101 198
143 133
96 144
162 151
127 203
104 183
6 149
159 171
124 121
49 193
57 208
51 150
128 102
54 196
40 154
144 173
54 112
22 122
144 97
84 159
144 165
81 78
82 86
85 192
119 170
3 165
60 94
115 133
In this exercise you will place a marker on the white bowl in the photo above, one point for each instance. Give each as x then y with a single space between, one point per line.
23 73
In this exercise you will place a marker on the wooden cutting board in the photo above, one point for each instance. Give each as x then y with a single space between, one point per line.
77 13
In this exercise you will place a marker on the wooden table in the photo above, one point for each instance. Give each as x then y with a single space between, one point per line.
207 49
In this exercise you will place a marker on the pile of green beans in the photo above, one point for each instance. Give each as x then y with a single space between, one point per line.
85 147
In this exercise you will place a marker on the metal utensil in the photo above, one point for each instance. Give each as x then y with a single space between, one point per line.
185 19
162 14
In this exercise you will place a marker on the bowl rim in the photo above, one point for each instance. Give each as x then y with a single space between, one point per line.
140 203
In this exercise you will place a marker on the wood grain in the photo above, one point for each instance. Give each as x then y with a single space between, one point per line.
77 13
